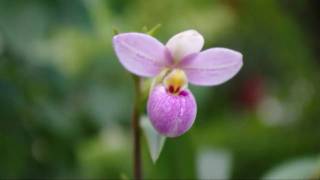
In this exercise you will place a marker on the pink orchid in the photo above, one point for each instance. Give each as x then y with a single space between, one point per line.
171 106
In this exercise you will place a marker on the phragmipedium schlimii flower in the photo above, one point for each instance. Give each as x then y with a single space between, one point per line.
171 106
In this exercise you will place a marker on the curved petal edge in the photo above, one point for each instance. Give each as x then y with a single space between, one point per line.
212 67
140 53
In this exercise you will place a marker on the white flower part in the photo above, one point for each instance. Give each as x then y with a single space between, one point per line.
185 43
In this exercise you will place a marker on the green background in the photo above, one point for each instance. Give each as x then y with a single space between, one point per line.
65 100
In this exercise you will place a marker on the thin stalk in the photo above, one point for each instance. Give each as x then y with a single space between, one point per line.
137 168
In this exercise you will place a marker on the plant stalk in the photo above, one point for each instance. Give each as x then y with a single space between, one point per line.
137 165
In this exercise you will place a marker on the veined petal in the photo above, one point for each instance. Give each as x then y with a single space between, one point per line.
171 115
185 43
141 54
212 67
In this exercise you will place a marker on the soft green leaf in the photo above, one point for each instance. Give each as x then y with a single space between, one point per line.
124 176
153 30
155 140
304 168
115 31
145 29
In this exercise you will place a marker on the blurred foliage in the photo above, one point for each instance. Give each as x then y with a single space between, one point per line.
65 101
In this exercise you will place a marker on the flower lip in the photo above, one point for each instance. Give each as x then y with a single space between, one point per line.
171 115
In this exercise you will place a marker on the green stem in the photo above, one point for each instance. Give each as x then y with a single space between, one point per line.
137 168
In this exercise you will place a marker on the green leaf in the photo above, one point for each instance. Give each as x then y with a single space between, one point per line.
145 29
115 31
124 176
153 30
154 139
304 168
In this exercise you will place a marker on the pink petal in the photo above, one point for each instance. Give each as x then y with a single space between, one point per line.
212 67
171 115
141 54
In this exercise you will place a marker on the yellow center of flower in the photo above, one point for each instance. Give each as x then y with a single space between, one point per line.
175 81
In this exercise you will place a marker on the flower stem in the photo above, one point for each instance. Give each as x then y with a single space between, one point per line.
137 168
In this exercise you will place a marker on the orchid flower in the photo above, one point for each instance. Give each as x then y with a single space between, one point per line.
171 106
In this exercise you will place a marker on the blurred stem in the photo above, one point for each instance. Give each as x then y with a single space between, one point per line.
137 168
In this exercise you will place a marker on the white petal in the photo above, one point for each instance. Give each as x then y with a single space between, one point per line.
185 43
